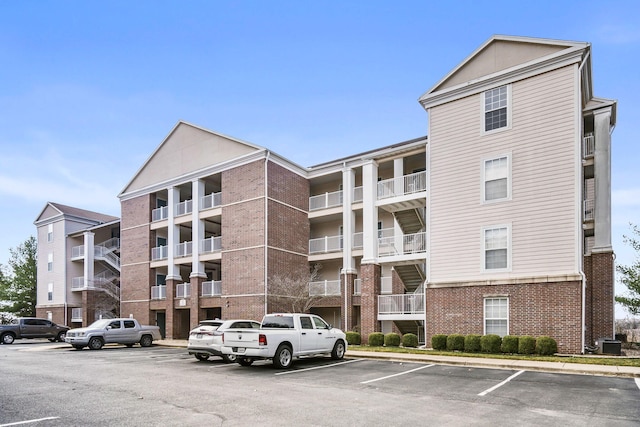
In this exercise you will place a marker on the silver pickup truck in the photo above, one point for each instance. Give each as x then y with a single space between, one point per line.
104 331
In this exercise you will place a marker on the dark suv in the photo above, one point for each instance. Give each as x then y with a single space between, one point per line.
32 327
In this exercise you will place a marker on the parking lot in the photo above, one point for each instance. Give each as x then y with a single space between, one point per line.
53 385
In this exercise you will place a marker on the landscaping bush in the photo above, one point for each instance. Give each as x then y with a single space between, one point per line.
526 344
490 343
546 346
392 340
439 342
509 344
472 343
376 339
353 338
410 340
455 342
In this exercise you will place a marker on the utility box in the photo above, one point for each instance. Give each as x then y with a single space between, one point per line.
609 346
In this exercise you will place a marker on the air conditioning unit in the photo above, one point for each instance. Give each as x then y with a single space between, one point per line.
609 346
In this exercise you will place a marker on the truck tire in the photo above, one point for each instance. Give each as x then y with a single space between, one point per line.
61 336
7 338
78 347
283 359
229 358
244 361
338 350
146 341
95 343
201 356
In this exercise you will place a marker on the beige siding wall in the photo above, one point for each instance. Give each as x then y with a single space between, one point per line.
542 210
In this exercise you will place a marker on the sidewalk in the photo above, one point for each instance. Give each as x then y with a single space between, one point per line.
528 365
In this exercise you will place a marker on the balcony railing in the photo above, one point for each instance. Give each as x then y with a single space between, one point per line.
158 214
589 210
357 241
184 249
210 201
325 245
326 200
408 184
211 245
159 253
184 208
76 314
77 251
183 290
408 244
357 287
357 194
77 283
212 288
401 304
159 292
588 145
324 288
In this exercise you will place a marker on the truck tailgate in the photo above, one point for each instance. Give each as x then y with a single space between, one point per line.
241 338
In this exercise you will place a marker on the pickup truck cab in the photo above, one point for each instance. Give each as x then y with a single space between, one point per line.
104 331
31 327
283 338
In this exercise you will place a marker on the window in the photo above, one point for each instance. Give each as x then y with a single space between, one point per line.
496 316
320 324
496 114
496 248
50 292
496 179
129 324
115 324
50 233
50 262
306 323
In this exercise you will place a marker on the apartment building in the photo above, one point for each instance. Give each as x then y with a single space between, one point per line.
498 222
78 267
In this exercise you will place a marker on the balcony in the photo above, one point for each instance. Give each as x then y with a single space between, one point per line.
77 252
325 245
159 292
159 253
160 213
212 288
77 283
408 184
324 288
184 249
589 210
183 290
588 145
76 314
326 200
357 287
210 201
406 244
184 208
385 286
211 245
401 307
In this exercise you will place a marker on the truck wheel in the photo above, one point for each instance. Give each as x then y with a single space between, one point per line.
95 343
229 358
283 359
61 336
7 338
338 350
201 357
146 341
78 347
244 361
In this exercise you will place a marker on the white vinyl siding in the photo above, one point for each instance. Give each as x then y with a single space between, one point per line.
542 210
496 316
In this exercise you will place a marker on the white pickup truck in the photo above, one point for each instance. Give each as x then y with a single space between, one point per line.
122 331
283 338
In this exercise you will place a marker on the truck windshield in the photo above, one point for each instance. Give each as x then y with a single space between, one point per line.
278 322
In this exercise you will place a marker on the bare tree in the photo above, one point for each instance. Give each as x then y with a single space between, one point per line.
290 293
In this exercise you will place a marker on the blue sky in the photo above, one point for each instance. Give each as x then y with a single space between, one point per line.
89 89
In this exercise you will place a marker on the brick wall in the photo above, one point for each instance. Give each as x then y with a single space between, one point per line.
243 183
370 274
599 305
288 187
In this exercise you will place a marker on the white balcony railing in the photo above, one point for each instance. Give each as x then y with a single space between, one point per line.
588 145
158 214
402 245
326 200
77 283
159 253
386 285
183 290
324 288
212 288
357 287
325 245
357 241
357 194
211 245
76 314
77 251
184 208
210 201
408 184
159 292
184 249
589 210
401 304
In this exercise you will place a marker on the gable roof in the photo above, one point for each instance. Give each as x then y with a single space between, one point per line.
56 210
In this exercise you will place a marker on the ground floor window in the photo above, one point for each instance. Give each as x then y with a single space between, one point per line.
496 316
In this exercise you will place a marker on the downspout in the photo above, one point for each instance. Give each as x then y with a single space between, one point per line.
266 230
344 271
581 240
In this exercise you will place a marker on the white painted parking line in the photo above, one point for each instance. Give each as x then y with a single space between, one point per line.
19 423
489 390
638 382
395 375
318 367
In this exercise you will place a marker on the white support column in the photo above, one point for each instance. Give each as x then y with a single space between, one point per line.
89 256
602 173
173 234
398 177
348 221
197 228
370 211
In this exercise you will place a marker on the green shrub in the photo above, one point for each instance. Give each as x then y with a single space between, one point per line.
376 339
490 343
472 343
392 340
526 344
455 342
509 344
546 346
439 342
409 340
353 338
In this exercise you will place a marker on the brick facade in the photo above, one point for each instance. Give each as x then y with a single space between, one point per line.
369 323
599 296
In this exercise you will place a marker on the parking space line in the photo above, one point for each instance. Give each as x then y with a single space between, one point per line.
395 375
489 390
318 367
19 423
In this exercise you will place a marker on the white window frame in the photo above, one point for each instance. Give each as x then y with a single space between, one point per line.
50 233
50 262
484 311
50 291
484 177
484 248
483 110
